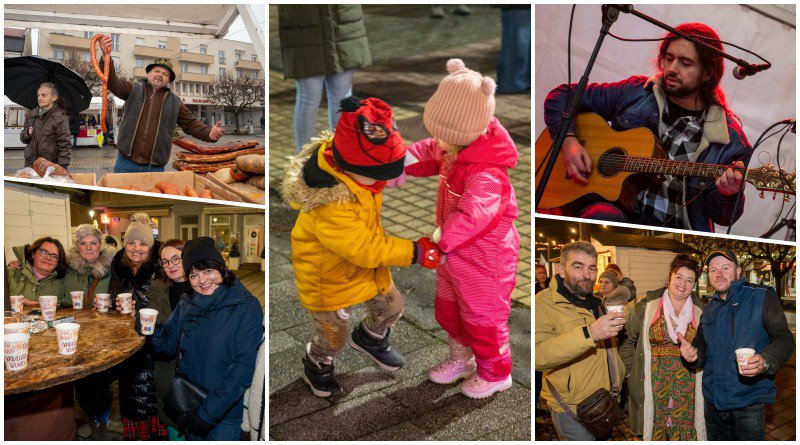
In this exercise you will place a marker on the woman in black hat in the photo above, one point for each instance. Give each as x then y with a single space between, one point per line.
217 329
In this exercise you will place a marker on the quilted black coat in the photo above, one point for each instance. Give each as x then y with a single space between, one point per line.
137 387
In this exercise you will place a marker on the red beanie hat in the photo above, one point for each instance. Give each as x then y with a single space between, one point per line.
366 141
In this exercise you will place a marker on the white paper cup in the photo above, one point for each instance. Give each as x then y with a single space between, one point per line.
147 318
126 302
16 328
102 302
742 355
615 308
67 334
49 304
77 299
16 303
16 351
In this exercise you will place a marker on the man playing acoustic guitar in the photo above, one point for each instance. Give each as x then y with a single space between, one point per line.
684 106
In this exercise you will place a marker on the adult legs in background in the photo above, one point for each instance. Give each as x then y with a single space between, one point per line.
514 62
337 87
307 99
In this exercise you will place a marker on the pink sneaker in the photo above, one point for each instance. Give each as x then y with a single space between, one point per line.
459 364
478 388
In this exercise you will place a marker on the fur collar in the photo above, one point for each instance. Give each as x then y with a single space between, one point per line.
99 270
296 190
715 129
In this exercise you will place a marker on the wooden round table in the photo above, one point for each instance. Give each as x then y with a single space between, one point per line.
104 341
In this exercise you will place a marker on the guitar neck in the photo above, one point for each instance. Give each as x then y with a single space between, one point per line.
674 168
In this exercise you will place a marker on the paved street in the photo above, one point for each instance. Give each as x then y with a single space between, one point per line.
409 51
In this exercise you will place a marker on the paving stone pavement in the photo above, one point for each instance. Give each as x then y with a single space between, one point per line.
409 51
780 416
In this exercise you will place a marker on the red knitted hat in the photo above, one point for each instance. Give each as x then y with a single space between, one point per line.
366 141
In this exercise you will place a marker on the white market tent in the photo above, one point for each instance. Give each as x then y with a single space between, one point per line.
190 20
759 100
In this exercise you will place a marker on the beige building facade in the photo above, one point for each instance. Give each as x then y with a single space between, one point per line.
197 63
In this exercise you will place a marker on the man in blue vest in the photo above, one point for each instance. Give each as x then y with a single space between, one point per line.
149 118
739 315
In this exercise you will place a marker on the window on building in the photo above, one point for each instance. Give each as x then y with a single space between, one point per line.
139 62
239 73
253 58
162 44
116 61
184 67
58 54
204 69
114 42
221 57
86 57
223 72
60 32
88 34
238 55
183 88
191 88
221 229
140 41
203 49
184 47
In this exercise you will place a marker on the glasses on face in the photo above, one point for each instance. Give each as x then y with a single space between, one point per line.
174 261
45 254
208 273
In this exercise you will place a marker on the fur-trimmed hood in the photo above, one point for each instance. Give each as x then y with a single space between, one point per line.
99 270
327 186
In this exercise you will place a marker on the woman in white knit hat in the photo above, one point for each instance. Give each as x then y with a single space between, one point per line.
475 212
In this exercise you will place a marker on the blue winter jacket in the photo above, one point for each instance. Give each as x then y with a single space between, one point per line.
750 317
217 346
638 102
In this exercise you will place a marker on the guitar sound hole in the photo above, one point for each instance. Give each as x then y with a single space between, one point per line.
611 162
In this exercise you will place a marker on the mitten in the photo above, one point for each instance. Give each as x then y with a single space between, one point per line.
427 253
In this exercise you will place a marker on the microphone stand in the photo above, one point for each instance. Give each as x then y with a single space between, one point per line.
610 15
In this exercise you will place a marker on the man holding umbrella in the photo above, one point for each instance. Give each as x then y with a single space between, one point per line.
149 117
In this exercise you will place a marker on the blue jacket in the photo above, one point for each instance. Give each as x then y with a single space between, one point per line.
638 102
750 317
218 347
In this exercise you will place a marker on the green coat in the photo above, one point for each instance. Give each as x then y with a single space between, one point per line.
158 299
632 351
321 40
81 274
23 281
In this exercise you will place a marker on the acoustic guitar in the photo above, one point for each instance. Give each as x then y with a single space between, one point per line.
626 162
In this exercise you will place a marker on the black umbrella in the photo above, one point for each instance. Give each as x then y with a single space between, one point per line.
23 75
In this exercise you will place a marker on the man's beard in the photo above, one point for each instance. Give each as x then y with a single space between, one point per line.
680 91
582 288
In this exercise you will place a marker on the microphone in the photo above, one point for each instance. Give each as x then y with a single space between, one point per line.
740 72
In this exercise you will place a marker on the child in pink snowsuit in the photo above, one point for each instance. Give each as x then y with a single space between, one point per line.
475 212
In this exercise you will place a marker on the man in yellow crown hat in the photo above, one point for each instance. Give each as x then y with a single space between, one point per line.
149 117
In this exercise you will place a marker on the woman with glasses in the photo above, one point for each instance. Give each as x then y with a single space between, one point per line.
39 270
217 329
133 271
163 295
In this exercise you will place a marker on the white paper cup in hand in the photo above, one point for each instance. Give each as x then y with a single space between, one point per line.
16 351
49 304
77 299
16 328
615 308
126 303
742 356
102 302
67 334
147 318
16 303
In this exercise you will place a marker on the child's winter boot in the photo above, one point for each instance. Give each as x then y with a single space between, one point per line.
376 347
478 388
459 364
320 378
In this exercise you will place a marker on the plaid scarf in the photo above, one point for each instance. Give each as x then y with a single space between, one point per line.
680 133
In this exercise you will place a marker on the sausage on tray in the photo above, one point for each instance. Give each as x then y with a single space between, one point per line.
201 167
213 149
41 165
197 157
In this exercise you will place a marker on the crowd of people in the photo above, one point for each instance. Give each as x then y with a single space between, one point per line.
209 329
686 379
